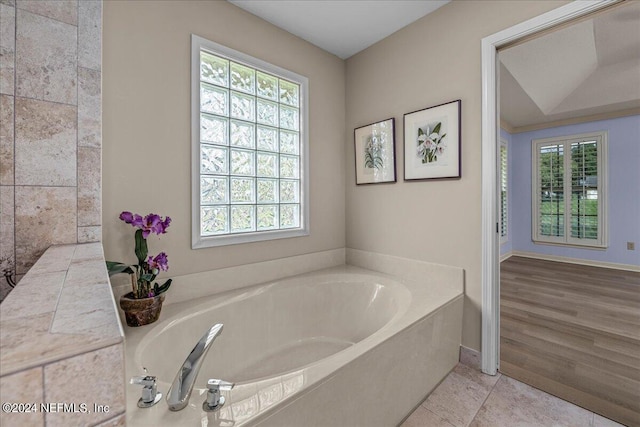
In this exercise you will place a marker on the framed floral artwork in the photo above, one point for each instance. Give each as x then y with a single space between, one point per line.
375 146
432 143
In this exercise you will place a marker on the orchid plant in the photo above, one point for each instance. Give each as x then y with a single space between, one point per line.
144 273
430 144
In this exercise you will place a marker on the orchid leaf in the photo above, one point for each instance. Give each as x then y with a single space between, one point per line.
420 132
437 128
157 290
147 277
141 247
118 267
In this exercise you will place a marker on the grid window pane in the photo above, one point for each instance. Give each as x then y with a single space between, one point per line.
213 160
213 190
268 164
242 134
267 217
289 118
289 143
243 106
213 129
289 166
242 162
267 86
289 191
289 216
214 69
267 138
243 78
242 218
242 190
289 93
267 191
214 99
214 220
267 112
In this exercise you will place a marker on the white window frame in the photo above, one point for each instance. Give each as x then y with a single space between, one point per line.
199 241
601 139
503 144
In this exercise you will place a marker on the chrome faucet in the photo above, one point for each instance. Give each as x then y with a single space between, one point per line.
180 391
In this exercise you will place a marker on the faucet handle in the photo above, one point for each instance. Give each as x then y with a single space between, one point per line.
150 394
146 380
221 384
214 400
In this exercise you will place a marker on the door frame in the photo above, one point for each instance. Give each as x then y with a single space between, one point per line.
490 143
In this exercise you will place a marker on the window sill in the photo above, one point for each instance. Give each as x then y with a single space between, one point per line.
572 245
200 242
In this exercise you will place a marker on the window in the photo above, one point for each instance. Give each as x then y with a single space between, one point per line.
569 190
249 142
503 191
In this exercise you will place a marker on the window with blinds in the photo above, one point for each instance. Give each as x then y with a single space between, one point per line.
569 191
504 221
249 148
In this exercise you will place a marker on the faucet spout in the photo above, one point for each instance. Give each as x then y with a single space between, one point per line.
182 386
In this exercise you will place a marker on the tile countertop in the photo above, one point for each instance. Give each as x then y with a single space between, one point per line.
63 307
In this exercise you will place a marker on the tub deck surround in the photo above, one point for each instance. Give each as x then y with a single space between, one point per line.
343 337
189 287
60 331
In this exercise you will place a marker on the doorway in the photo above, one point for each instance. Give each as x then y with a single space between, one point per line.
492 195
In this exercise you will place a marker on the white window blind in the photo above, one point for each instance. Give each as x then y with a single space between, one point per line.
503 191
569 191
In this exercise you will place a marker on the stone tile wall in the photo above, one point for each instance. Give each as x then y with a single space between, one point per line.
61 341
50 128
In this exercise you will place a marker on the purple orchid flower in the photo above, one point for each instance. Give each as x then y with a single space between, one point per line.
126 217
151 223
160 262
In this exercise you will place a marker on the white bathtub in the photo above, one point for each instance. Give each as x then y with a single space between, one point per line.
339 347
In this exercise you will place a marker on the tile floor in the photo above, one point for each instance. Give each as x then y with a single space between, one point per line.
467 397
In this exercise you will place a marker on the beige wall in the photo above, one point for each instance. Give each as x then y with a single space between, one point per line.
147 137
432 61
436 59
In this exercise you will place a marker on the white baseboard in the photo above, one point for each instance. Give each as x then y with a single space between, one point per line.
506 256
568 260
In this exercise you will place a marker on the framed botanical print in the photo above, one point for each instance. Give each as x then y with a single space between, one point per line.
375 152
432 142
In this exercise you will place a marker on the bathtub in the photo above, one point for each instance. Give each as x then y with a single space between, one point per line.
338 347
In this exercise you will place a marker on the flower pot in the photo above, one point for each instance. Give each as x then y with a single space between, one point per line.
143 311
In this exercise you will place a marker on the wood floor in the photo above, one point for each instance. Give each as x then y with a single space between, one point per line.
574 332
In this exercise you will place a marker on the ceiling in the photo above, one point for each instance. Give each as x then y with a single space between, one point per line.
342 27
588 68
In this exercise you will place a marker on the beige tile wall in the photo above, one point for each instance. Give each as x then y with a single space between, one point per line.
61 342
50 128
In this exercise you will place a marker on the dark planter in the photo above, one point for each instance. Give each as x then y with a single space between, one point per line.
140 312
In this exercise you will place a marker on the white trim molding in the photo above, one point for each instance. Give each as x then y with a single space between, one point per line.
490 125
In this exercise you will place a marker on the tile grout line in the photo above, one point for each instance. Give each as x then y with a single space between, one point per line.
486 398
13 160
77 125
